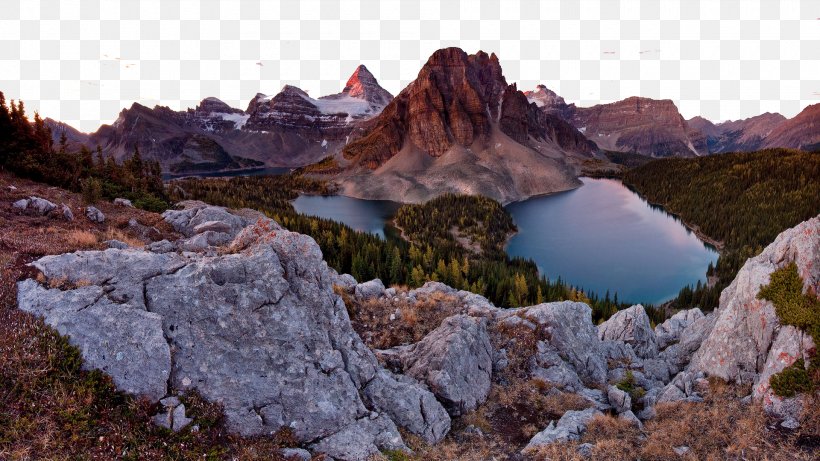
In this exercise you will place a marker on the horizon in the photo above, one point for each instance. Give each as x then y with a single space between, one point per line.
722 61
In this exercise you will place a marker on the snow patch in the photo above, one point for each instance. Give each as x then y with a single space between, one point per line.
239 120
342 105
324 143
583 129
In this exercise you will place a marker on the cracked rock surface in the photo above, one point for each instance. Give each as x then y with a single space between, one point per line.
255 326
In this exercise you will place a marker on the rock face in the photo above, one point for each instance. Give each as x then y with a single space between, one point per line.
460 128
632 327
800 132
454 360
747 343
670 331
256 327
454 101
739 135
645 126
641 125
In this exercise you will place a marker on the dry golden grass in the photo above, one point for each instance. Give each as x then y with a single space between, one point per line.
81 238
371 318
112 233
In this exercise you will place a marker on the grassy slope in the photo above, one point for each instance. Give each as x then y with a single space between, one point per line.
49 407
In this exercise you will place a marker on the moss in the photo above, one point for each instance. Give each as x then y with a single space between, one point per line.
396 455
793 307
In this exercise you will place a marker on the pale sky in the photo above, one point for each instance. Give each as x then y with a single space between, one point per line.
82 61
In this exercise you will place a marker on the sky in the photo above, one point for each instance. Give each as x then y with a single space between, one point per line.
83 61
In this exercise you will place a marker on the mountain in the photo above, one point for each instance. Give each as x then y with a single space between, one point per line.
640 125
459 127
739 135
801 132
288 129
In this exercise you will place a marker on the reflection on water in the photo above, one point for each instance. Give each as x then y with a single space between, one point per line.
603 236
363 215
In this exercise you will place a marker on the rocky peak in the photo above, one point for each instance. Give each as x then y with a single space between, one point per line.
454 101
215 105
800 132
643 125
550 102
363 85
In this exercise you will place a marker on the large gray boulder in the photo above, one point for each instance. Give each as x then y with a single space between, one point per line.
373 289
94 215
125 343
669 331
568 327
34 205
256 328
571 426
621 401
409 405
748 344
454 360
632 327
193 217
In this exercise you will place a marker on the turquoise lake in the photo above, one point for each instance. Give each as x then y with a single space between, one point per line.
599 237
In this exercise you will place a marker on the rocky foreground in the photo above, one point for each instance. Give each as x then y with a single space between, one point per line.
248 315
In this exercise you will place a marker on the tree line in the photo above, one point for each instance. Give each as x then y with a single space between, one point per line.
27 149
741 199
432 252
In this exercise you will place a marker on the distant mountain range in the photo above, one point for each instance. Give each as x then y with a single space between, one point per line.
458 127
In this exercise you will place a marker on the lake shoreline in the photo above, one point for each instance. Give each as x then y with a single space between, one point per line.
695 229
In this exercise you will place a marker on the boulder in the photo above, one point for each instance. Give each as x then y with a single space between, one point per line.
548 366
123 202
748 344
94 214
678 355
116 244
190 214
34 205
408 404
362 440
454 360
68 215
126 344
670 330
256 328
570 332
571 426
373 289
621 401
632 327
143 232
295 454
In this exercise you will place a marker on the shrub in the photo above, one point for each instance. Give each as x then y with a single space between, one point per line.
792 380
793 307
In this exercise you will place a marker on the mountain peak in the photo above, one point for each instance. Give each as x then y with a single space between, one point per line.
363 85
212 105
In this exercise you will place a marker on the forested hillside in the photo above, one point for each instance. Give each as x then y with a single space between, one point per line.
741 199
27 150
467 221
434 254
